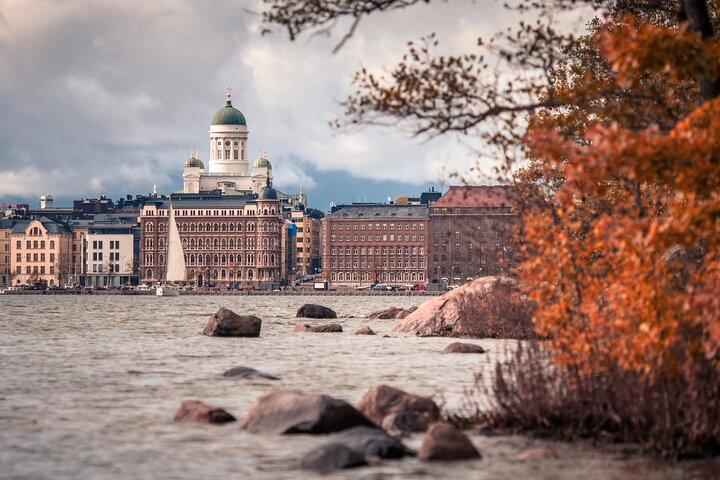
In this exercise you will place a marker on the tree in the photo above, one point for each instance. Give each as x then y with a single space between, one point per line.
621 194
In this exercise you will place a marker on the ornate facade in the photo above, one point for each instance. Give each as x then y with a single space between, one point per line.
226 239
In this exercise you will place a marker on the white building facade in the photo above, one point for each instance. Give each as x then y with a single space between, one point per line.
228 167
109 257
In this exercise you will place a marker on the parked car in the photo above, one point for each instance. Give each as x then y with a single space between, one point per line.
247 288
420 287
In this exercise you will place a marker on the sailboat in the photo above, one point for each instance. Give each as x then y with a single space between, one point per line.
175 264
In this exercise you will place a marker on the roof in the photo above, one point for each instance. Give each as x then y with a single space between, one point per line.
268 193
51 226
228 115
194 162
262 162
478 196
379 211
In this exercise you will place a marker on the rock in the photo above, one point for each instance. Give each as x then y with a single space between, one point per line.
331 456
248 373
405 313
365 330
284 412
406 422
199 412
392 312
226 323
353 447
489 307
321 328
445 442
459 347
383 400
310 310
385 314
540 453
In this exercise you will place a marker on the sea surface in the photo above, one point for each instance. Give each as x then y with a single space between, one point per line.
89 386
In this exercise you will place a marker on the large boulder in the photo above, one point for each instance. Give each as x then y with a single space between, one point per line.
226 323
489 307
383 400
445 442
352 448
321 328
459 347
248 373
196 411
285 412
310 310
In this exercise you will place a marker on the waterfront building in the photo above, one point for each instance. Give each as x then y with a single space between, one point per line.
228 167
375 243
40 250
471 233
307 245
109 255
6 275
226 239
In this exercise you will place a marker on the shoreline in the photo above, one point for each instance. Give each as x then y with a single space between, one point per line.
290 293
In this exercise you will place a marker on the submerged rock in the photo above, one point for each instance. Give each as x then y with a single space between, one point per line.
310 310
383 400
459 347
285 412
320 328
491 307
540 453
365 330
445 442
226 323
392 313
352 448
409 421
248 373
198 412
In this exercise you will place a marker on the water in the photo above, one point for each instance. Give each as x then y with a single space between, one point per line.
89 386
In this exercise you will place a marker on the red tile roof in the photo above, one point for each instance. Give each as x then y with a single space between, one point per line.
478 196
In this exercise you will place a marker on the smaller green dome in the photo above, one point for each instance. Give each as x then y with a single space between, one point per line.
262 162
193 162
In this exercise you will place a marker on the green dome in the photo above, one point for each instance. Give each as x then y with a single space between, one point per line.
262 162
228 115
194 162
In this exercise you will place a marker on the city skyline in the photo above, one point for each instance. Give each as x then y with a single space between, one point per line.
93 111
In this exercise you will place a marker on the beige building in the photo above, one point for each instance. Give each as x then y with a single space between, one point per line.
40 250
6 275
307 240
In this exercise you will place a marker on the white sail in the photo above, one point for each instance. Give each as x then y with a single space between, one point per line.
175 257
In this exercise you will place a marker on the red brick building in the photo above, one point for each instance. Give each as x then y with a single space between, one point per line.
225 238
471 233
366 243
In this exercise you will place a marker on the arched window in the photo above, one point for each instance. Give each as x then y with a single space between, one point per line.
148 273
207 259
223 227
341 277
250 274
223 242
149 227
231 258
215 274
265 212
207 243
223 274
215 260
231 242
216 243
231 227
200 227
208 228
192 227
216 226
200 259
265 259
193 243
161 259
161 227
240 227
223 260
272 259
192 262
184 242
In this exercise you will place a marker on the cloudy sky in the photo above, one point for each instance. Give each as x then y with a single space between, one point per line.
109 96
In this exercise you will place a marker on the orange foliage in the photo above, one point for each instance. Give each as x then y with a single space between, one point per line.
625 264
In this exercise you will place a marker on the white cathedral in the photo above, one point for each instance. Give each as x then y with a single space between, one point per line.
228 165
